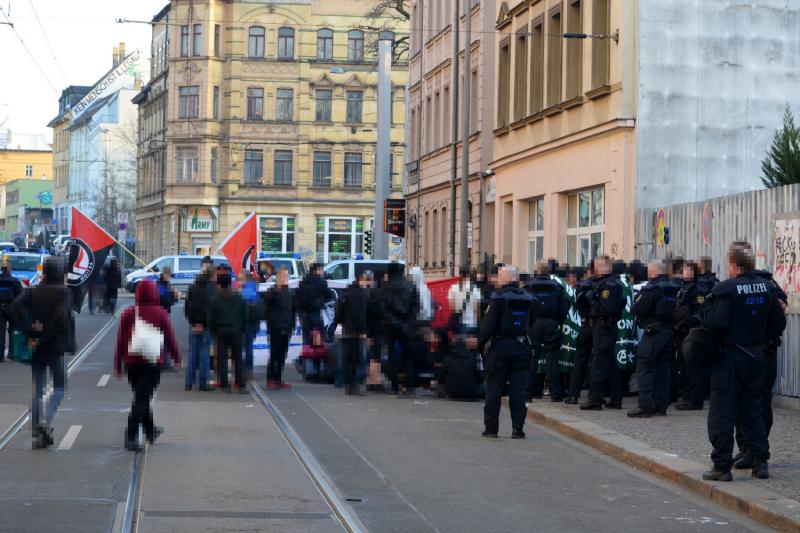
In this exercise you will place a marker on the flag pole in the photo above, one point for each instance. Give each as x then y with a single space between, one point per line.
137 258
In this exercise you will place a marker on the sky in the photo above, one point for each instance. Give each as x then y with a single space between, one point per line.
81 35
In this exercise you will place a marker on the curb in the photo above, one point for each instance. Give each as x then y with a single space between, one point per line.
761 505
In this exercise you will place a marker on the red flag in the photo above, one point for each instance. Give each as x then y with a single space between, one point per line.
240 246
87 255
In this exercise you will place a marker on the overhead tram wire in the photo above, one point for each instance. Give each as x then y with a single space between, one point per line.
22 42
49 45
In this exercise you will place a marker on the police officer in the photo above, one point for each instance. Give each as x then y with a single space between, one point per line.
507 324
707 280
745 314
551 312
688 315
606 309
583 343
10 288
744 459
655 313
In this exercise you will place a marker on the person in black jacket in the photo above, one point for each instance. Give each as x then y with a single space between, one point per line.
44 312
583 344
280 312
10 289
311 296
166 294
226 318
401 304
688 315
198 299
113 280
351 313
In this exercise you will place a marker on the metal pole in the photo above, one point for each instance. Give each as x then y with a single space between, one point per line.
454 152
463 251
380 245
421 43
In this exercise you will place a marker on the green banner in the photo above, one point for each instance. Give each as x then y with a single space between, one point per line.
627 340
570 329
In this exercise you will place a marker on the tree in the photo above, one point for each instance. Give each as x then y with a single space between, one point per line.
782 164
391 15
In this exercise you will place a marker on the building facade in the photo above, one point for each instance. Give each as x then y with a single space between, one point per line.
29 210
23 159
266 108
436 117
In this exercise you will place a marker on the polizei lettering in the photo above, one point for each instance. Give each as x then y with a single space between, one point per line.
752 288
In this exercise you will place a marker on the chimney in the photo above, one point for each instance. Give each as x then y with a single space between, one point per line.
137 83
115 57
121 52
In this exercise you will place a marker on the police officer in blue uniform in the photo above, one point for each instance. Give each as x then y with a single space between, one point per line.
655 313
607 304
583 343
688 315
10 289
551 311
507 326
745 314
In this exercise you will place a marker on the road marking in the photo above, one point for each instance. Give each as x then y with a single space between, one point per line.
104 380
69 438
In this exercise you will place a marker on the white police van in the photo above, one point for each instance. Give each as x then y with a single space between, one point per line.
343 272
184 269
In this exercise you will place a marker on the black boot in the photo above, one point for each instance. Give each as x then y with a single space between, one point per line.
743 461
157 432
489 434
718 475
571 400
760 469
686 405
517 434
591 406
614 405
640 413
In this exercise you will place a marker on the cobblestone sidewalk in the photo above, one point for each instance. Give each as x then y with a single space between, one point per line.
684 433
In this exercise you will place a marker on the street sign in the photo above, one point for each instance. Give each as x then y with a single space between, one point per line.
394 217
123 226
122 218
122 235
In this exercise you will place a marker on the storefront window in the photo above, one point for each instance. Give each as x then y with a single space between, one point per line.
276 234
339 238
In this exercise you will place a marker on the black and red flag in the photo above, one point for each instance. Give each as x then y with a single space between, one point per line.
88 250
239 247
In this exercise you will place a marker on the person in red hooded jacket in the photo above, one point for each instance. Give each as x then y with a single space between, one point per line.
143 375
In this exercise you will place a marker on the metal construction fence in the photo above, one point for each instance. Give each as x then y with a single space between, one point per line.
708 228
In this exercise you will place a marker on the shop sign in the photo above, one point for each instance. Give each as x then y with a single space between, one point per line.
200 220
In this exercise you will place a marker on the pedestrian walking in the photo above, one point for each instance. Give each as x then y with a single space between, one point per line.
281 315
10 289
198 300
113 280
144 338
745 314
44 313
654 310
506 329
226 320
401 306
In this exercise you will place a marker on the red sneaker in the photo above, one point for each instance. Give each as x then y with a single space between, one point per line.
271 385
284 385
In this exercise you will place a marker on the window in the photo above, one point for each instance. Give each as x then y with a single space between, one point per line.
197 40
473 103
217 30
503 82
585 226
520 74
215 104
28 171
184 41
186 165
253 166
437 116
446 116
554 61
255 47
12 197
285 104
352 170
325 45
283 167
354 106
189 102
339 238
213 165
600 47
255 103
574 47
535 232
285 43
189 264
445 229
537 69
435 240
355 46
276 233
428 125
164 263
322 169
324 101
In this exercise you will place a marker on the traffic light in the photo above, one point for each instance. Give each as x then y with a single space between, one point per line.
368 242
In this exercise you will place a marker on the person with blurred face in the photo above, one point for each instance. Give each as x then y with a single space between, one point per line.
279 309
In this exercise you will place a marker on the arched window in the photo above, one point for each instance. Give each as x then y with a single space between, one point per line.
325 44
355 46
255 46
285 43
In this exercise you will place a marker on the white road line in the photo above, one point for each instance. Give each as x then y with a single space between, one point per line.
69 438
104 380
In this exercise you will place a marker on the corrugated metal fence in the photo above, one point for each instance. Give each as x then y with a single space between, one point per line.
708 228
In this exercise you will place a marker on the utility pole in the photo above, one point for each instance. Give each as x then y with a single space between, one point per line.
380 238
419 135
454 152
465 218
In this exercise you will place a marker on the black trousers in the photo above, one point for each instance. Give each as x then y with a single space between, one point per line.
352 359
400 357
6 326
583 353
737 382
604 363
695 374
144 379
506 362
278 348
653 369
230 343
770 375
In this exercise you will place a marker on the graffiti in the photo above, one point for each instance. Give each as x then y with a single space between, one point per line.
305 251
614 252
787 260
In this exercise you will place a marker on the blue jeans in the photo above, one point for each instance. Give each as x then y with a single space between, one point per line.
199 356
39 370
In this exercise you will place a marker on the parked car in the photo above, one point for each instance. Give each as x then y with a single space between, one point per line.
8 247
25 266
184 269
343 272
293 263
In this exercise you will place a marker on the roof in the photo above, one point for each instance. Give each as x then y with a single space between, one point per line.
95 106
161 14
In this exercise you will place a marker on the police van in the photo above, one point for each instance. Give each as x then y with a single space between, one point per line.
340 274
184 269
272 262
24 266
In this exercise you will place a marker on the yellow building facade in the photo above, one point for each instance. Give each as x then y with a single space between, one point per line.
266 108
20 164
